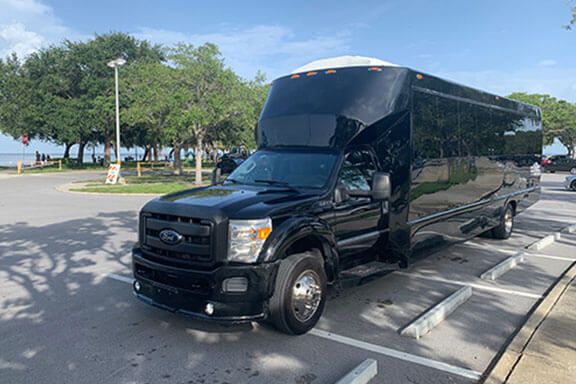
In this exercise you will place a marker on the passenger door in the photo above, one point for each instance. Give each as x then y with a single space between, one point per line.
357 219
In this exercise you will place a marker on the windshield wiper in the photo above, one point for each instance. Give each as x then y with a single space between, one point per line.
232 181
279 184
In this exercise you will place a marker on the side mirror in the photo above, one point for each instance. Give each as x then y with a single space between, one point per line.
341 194
381 189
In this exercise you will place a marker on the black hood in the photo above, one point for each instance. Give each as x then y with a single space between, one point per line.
234 202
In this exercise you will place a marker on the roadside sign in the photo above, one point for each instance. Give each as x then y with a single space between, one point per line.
113 173
25 139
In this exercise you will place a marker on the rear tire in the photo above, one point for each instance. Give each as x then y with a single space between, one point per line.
299 294
504 229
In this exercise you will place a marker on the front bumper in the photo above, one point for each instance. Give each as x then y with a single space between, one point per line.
188 291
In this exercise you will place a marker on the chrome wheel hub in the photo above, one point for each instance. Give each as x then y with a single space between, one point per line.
306 295
508 220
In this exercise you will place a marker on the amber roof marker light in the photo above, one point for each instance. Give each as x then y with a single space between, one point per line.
419 76
378 69
294 76
330 71
311 73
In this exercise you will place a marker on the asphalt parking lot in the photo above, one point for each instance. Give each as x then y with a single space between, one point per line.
67 314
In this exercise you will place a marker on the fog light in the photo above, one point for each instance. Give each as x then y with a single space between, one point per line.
137 286
235 284
209 309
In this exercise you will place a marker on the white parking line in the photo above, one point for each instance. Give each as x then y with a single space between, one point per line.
527 252
473 285
468 373
121 278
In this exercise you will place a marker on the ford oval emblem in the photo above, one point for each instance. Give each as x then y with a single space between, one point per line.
170 236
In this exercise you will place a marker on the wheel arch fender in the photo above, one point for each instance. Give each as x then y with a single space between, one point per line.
295 235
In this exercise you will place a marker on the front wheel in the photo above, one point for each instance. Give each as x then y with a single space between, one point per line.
573 185
573 171
504 229
299 295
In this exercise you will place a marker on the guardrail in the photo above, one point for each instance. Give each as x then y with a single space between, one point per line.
26 165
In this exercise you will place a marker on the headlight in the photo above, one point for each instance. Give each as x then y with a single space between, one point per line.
245 239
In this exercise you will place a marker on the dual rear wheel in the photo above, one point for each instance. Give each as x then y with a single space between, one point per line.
504 229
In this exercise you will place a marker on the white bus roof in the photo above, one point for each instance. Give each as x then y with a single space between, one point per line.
342 62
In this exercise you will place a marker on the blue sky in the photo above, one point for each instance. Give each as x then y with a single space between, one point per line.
499 46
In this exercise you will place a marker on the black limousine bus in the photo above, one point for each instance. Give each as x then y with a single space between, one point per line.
361 165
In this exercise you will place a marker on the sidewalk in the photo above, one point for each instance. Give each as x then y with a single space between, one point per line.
544 350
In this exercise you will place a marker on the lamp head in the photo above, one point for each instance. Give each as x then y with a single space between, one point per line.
117 62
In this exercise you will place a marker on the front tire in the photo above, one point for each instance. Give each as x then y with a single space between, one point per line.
573 185
299 295
504 229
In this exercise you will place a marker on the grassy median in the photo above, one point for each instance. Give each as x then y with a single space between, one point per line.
152 184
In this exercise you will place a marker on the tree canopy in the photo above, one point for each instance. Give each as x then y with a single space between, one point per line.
178 97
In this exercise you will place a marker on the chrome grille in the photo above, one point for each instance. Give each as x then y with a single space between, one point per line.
194 248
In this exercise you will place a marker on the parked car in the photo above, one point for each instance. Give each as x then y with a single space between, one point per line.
570 182
560 163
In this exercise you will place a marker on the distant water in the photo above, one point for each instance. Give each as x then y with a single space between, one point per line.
11 159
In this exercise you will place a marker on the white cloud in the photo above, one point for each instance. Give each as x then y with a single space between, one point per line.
18 39
272 49
547 63
557 82
27 25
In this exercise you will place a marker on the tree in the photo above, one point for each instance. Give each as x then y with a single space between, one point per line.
149 91
66 93
205 94
239 129
95 80
558 118
573 20
17 105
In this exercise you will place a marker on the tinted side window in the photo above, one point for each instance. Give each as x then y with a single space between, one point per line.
436 127
357 170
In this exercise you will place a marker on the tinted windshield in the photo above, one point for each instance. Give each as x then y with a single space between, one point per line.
293 169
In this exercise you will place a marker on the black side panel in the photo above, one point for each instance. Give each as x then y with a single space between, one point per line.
472 153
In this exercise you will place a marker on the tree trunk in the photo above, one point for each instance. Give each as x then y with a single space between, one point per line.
107 146
199 160
146 152
156 150
177 161
67 150
82 145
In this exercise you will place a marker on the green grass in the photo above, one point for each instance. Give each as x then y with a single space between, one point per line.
138 188
154 184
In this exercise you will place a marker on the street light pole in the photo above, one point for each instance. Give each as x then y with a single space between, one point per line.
115 64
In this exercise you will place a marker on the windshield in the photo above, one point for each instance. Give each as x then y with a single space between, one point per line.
286 169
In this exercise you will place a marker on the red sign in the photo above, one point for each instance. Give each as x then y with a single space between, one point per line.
25 139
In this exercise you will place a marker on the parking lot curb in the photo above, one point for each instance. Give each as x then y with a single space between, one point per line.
503 267
507 361
362 374
544 242
435 315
